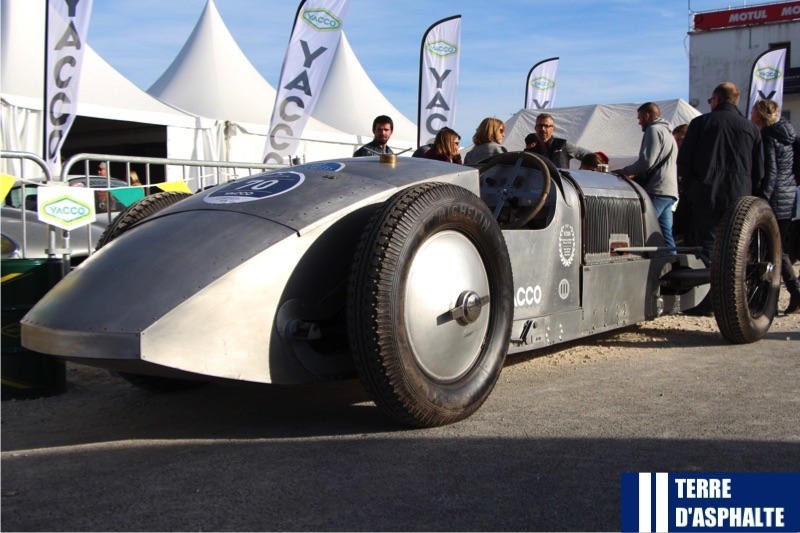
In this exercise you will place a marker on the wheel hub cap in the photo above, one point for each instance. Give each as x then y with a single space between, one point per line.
447 289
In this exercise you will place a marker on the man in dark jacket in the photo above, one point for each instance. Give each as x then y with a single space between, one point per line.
382 128
558 150
721 159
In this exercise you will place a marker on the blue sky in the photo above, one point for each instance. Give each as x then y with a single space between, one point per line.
611 50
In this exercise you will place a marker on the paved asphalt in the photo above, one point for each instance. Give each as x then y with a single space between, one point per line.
544 453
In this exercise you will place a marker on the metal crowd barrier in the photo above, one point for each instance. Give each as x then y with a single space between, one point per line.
197 175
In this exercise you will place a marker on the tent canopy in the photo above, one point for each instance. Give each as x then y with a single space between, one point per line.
237 92
212 77
609 128
350 101
112 113
104 92
209 70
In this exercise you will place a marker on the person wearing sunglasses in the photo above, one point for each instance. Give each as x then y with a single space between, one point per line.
487 141
558 150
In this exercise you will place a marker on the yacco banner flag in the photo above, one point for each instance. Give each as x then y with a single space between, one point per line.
438 77
315 36
663 502
766 81
67 23
540 89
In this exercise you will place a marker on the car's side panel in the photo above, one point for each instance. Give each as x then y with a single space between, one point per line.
546 262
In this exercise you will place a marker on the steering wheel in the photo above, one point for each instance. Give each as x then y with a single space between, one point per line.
505 187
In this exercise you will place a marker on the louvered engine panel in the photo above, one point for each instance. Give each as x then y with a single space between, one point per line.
612 221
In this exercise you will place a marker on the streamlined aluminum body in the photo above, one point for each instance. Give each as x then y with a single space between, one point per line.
249 280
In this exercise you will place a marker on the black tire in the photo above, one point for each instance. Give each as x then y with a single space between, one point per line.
139 211
134 213
424 355
745 271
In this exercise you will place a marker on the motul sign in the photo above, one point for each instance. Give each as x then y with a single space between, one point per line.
747 16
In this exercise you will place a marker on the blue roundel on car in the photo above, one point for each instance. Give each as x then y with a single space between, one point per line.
258 187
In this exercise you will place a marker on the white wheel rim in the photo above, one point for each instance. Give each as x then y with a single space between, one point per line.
446 266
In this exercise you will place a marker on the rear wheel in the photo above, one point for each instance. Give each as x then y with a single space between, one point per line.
149 205
430 305
745 271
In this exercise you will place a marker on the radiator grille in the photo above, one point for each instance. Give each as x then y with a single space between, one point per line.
611 220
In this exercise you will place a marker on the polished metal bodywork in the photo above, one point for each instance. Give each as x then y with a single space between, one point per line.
248 280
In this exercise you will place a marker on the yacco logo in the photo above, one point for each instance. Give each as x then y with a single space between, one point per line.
768 73
441 48
542 83
321 19
67 210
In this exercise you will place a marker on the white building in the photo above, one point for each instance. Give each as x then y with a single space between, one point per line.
724 45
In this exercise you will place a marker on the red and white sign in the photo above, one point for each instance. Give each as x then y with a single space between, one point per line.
747 16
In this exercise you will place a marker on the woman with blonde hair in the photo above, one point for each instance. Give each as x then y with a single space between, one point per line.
778 185
486 141
445 147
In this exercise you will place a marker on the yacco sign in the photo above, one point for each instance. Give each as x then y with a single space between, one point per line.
67 24
441 48
67 213
321 19
439 59
768 73
305 67
542 83
747 16
66 207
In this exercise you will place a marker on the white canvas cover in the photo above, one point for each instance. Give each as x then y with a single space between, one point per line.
350 101
609 128
235 91
104 93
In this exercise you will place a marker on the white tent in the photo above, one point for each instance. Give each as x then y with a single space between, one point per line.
609 128
239 96
211 77
236 95
104 93
350 101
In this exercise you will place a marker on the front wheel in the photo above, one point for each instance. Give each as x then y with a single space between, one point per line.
745 271
430 305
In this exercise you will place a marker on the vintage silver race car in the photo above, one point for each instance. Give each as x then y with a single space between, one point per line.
417 276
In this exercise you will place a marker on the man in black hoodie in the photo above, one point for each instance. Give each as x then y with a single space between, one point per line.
721 160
